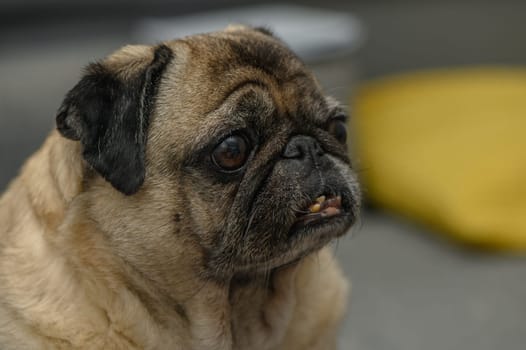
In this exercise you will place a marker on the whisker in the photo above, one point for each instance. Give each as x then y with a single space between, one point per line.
301 211
252 216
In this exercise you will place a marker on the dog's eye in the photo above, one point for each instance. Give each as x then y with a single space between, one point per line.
231 154
338 129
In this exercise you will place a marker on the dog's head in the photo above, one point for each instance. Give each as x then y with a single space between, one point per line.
219 149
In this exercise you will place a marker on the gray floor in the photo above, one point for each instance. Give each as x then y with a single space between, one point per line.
411 290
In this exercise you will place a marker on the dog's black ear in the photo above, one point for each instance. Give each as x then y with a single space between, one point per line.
109 114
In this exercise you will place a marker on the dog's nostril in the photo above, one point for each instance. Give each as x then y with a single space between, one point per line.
301 146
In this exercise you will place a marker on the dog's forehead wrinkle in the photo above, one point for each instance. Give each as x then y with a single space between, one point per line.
268 55
287 90
249 109
237 49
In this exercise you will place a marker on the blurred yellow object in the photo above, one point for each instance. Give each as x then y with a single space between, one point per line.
448 147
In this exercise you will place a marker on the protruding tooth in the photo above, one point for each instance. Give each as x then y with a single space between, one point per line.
330 211
315 208
332 202
320 199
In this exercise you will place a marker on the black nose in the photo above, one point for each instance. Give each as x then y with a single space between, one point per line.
303 147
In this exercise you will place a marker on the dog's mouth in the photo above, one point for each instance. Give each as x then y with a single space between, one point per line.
322 208
321 220
329 215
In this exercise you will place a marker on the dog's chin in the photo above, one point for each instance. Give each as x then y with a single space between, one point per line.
307 235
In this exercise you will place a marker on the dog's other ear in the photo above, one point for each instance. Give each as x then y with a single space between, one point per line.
108 112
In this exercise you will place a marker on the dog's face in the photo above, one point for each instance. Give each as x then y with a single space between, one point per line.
218 149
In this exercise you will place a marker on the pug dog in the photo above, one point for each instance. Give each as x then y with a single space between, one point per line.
184 201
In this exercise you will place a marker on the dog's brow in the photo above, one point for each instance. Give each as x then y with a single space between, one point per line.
220 127
241 85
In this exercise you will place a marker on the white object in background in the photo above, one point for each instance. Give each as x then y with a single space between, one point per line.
314 34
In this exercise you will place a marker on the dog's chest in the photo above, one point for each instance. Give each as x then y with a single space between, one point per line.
246 318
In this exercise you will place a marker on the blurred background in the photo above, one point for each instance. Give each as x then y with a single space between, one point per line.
437 93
